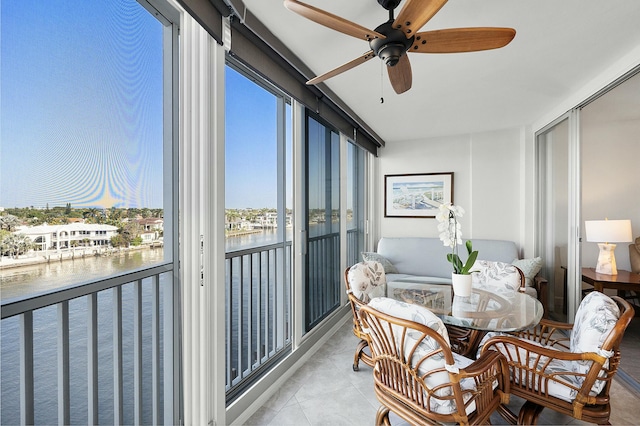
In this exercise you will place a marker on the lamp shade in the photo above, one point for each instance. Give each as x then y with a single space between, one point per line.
608 231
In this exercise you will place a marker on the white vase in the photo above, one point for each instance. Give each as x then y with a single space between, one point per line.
461 284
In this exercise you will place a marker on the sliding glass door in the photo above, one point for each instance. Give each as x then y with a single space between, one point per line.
355 202
553 158
322 206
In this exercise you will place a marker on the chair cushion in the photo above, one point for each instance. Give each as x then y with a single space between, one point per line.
595 318
369 256
411 312
555 388
597 315
529 267
367 280
499 276
423 316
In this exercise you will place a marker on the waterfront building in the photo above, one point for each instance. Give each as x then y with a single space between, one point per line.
57 237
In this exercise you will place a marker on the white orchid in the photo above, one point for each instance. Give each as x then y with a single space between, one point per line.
451 236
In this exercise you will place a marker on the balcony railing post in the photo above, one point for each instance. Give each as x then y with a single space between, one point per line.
155 349
137 352
64 416
117 356
26 369
92 358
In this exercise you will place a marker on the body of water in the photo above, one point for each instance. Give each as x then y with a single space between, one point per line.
18 282
32 279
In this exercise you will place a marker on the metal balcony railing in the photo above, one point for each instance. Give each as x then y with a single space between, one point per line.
258 312
323 277
101 352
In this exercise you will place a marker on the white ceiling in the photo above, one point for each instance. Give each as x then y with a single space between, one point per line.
560 46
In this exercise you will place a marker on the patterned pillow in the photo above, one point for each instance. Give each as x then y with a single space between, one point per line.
529 267
367 280
389 268
596 316
499 276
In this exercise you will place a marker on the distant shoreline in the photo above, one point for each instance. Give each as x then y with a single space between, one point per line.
36 258
241 233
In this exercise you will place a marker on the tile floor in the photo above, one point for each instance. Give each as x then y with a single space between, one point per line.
326 391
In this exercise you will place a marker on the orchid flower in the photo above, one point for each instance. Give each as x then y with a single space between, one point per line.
451 236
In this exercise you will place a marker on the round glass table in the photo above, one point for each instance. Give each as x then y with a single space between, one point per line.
485 309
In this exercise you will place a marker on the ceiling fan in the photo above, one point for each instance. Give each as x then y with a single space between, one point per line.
391 40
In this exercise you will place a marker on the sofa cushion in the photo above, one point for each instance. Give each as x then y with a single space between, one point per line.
401 279
369 256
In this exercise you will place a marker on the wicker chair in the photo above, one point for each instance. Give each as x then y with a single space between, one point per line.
569 374
363 281
418 377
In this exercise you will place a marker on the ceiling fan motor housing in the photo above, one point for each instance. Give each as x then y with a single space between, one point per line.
389 4
391 48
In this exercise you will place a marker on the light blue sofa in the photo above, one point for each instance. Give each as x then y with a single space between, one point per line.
425 259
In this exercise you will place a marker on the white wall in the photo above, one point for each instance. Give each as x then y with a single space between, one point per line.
489 183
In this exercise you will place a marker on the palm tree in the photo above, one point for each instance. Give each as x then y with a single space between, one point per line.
9 222
15 244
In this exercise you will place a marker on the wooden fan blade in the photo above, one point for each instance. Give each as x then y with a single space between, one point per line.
455 40
331 21
415 14
400 75
342 68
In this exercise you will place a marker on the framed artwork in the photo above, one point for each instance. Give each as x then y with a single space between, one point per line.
417 195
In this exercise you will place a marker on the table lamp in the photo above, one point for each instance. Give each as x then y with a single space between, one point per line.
605 232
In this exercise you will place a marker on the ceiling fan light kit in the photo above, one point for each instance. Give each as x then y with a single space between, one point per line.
392 40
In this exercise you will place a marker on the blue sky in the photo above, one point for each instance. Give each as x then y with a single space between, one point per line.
81 111
251 144
81 104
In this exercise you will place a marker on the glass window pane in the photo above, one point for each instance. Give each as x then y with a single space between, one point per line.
355 203
82 142
258 212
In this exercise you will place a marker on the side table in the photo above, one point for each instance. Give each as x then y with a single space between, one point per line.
624 281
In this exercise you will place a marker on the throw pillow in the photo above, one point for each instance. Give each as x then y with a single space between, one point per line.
499 276
389 268
529 267
367 280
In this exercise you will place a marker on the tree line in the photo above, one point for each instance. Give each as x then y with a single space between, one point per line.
129 231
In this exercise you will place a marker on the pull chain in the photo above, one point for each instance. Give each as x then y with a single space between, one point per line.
381 83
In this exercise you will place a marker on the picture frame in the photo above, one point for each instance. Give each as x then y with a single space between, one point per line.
417 195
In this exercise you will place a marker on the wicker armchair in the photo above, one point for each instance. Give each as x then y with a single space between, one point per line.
418 377
568 373
363 281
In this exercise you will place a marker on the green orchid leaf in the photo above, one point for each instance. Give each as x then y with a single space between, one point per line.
470 261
